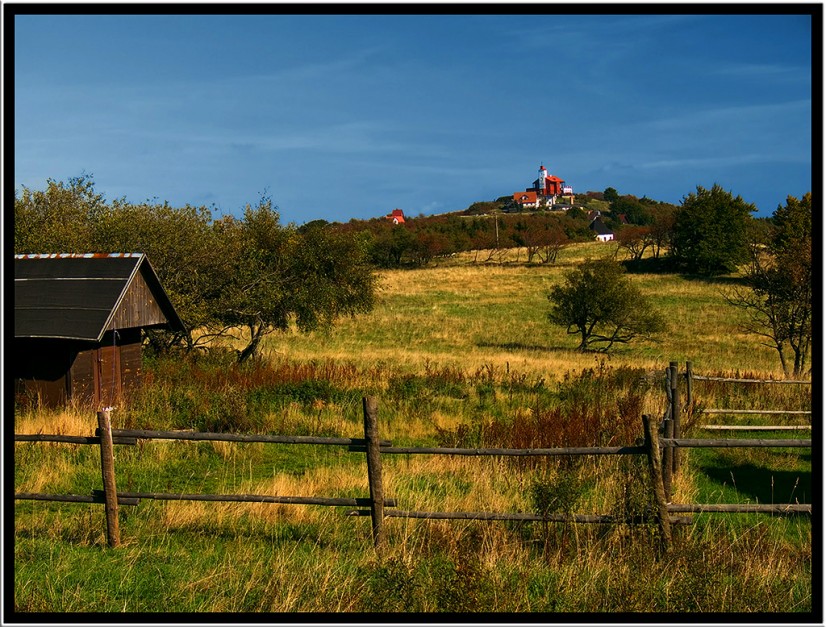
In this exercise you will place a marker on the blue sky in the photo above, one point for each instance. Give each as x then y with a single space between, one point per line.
350 116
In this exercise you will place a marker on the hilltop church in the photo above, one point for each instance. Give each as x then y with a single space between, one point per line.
545 192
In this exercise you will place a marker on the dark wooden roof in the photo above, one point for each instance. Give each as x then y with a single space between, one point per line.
599 227
81 297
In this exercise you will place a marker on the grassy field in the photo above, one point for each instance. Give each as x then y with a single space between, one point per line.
466 314
458 354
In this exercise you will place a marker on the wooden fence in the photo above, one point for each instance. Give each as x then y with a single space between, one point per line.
690 377
672 419
661 452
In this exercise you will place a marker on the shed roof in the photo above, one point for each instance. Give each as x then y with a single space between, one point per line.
81 296
600 228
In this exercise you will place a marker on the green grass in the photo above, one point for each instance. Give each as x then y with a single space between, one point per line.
768 476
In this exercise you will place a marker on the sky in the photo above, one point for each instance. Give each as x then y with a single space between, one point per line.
343 116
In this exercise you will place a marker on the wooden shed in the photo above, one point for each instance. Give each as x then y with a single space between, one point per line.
78 324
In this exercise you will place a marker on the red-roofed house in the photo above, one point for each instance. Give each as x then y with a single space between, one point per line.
397 217
526 199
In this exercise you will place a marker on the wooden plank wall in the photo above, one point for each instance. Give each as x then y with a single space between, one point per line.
138 308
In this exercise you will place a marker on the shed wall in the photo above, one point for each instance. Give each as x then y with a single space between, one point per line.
53 372
138 308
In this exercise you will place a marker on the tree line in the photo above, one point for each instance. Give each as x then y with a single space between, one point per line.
488 228
242 277
253 275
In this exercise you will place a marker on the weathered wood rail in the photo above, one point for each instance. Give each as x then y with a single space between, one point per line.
690 377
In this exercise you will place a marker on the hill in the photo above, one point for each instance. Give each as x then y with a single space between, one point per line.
465 311
500 225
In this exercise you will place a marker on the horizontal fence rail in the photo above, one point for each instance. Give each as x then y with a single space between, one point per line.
745 508
197 436
97 496
68 439
255 498
134 498
730 380
757 427
791 412
519 516
131 436
516 452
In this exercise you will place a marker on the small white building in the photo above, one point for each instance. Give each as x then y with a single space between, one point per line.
603 233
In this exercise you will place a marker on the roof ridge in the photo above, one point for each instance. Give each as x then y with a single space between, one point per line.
76 255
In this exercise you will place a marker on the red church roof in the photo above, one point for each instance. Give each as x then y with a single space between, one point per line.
397 216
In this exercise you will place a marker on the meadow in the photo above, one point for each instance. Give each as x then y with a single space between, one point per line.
457 354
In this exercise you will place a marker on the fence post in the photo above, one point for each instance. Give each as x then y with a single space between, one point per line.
107 465
675 414
652 446
371 435
668 432
689 384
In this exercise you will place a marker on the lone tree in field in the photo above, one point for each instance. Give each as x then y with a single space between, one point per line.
777 296
599 303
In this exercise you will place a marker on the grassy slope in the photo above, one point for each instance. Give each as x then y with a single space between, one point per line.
475 314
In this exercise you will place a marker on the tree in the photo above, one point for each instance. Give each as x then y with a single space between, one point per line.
601 305
390 243
57 220
252 293
633 210
634 239
430 243
552 241
711 231
662 227
334 278
275 275
544 238
777 297
610 194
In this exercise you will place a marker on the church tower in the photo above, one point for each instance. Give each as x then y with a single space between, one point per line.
541 186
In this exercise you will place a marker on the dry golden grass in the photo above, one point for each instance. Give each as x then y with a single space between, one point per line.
472 314
70 420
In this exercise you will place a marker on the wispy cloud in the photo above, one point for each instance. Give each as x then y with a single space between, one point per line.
582 33
727 119
354 60
761 71
713 161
